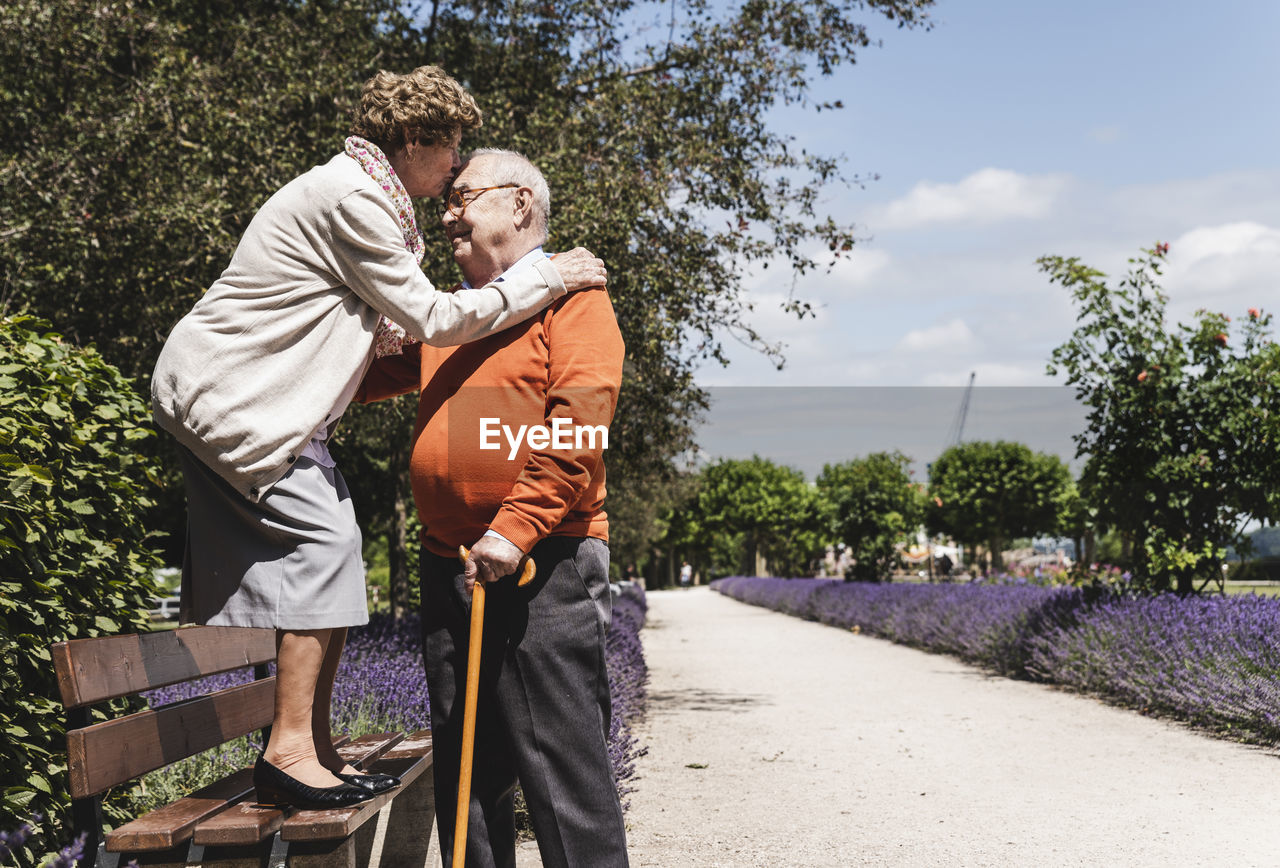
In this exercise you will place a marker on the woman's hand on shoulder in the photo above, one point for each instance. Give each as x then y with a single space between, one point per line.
580 269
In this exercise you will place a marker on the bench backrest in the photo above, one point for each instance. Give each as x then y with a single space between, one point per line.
102 755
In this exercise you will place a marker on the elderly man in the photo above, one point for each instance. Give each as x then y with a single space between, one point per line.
508 460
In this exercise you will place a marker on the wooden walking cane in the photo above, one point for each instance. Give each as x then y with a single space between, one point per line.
469 706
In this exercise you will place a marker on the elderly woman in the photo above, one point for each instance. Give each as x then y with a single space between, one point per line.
253 380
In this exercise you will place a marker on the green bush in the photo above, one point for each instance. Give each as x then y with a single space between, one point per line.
75 560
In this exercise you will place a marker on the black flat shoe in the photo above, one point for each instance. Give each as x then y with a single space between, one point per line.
375 783
274 787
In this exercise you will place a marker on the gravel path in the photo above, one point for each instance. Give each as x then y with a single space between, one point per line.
775 741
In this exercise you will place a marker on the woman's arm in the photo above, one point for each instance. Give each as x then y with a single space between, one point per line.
369 257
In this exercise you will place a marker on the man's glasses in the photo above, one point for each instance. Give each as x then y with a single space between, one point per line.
458 200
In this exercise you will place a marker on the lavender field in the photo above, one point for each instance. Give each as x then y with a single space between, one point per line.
1212 662
381 687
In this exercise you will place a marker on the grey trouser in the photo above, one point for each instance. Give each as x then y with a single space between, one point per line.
543 711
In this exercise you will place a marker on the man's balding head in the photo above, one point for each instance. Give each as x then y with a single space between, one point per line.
503 213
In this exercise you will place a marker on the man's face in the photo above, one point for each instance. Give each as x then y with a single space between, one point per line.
482 236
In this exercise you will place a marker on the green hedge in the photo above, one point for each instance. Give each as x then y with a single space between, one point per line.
75 560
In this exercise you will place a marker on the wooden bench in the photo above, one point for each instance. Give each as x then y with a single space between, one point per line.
221 824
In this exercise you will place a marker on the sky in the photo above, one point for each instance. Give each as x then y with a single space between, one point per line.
1010 131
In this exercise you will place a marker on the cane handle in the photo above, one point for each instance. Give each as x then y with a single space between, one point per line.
526 575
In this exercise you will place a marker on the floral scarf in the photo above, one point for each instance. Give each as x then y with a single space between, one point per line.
389 338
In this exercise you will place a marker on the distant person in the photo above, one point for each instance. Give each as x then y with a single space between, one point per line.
945 565
686 574
632 574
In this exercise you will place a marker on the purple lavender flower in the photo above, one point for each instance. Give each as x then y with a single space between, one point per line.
69 856
15 840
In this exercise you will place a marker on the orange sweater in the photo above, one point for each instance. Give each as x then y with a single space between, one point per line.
473 466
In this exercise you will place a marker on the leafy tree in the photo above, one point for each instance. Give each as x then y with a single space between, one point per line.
149 132
874 506
745 512
646 522
993 492
1183 436
1074 522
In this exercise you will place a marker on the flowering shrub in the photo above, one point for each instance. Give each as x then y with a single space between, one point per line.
381 686
628 677
1210 661
1182 422
985 624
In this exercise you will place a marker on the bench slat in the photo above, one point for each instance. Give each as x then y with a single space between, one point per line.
414 744
247 822
341 822
172 824
367 749
109 753
94 670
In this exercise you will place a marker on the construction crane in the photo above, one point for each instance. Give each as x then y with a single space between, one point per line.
957 427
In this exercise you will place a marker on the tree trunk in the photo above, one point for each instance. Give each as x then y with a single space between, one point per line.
398 557
398 542
1186 583
997 554
653 569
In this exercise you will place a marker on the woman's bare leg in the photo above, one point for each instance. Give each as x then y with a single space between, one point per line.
300 658
321 721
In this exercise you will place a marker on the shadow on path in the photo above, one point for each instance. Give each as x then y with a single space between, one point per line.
702 699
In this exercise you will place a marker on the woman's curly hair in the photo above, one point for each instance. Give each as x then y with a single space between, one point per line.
426 106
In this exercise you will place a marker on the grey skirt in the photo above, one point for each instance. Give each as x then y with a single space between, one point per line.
291 561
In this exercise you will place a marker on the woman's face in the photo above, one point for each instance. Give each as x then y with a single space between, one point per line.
428 170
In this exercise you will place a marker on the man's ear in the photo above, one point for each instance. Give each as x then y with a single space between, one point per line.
522 214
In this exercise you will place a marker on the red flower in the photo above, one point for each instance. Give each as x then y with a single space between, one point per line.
937 500
1162 249
1221 339
1142 377
1253 313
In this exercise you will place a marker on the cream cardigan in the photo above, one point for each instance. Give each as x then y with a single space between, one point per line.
247 377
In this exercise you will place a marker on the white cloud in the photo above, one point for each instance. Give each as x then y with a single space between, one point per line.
987 195
948 337
1233 265
859 267
1233 239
